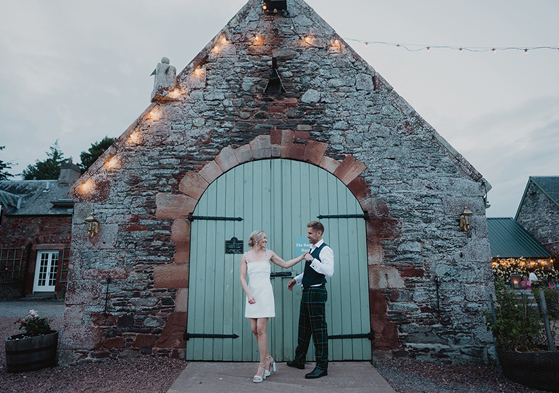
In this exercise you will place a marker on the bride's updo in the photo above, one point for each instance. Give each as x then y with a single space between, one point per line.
255 237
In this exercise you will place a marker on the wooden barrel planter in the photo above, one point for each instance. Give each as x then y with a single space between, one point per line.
537 370
31 353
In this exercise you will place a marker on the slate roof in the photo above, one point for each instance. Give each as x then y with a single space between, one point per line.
509 239
549 185
35 197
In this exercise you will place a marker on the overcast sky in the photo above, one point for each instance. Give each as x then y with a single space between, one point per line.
77 71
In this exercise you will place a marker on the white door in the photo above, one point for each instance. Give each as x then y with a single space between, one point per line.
45 271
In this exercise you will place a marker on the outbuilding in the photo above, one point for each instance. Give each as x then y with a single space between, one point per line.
275 123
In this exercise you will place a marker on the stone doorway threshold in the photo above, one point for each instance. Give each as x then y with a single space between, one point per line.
218 377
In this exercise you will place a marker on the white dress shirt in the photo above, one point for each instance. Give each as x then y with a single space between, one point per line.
324 266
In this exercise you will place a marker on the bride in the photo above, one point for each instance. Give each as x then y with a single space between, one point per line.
255 264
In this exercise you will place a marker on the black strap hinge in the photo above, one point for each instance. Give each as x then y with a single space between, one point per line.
370 336
365 216
188 336
206 218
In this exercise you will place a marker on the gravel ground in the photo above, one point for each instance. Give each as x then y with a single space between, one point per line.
145 374
157 374
413 376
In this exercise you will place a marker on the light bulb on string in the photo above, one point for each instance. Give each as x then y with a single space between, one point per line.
494 50
398 46
461 50
526 51
428 49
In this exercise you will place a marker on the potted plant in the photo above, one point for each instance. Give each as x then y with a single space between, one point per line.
522 347
35 348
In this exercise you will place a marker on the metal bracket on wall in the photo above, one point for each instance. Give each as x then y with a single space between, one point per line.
188 336
206 218
370 336
365 216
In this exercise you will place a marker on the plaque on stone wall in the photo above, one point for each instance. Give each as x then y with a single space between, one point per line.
234 246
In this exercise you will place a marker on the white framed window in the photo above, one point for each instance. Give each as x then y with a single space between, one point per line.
45 271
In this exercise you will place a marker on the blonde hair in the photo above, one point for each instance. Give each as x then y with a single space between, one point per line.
255 237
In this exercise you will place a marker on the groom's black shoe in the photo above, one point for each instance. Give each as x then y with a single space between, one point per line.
296 364
317 373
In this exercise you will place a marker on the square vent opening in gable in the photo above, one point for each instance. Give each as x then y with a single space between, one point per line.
275 6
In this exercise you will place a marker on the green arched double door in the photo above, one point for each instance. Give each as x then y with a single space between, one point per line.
279 197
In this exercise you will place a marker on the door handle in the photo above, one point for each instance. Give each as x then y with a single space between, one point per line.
281 274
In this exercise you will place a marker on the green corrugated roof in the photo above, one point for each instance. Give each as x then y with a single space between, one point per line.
509 239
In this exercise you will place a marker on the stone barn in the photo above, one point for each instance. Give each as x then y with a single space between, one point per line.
275 123
538 211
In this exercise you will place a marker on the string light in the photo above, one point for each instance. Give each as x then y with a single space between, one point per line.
112 163
134 137
175 93
154 114
87 186
419 47
199 71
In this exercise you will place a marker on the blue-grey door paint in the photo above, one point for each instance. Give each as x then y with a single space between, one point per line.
279 197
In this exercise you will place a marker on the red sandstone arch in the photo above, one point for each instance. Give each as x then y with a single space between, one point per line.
294 145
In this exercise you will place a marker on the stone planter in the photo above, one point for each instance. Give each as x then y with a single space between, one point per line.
537 370
31 353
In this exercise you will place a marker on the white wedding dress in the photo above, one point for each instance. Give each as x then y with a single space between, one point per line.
259 285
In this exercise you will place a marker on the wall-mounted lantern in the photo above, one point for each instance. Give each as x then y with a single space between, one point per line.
466 219
92 225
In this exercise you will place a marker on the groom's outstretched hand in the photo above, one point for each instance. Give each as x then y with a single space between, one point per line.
291 284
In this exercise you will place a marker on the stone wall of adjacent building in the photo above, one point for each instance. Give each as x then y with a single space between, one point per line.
540 216
32 233
429 280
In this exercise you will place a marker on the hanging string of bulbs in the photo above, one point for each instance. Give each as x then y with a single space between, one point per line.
478 49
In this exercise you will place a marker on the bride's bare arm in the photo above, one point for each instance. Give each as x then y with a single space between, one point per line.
244 280
286 264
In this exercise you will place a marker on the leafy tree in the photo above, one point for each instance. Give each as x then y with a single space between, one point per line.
48 169
92 154
3 166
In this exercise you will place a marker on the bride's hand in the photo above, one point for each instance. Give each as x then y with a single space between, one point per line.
251 299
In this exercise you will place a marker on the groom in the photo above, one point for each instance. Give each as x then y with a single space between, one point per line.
312 316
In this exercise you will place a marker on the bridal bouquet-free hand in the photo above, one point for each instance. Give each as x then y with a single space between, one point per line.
34 325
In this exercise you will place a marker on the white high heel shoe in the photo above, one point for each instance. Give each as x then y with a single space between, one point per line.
272 367
258 378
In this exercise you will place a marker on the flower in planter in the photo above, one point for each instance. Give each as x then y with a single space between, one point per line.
34 325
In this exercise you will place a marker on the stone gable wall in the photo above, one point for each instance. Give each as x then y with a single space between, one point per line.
429 279
539 215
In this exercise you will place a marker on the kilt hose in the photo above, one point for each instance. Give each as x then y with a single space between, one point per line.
312 322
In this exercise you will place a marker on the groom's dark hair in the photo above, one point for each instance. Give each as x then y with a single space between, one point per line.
317 226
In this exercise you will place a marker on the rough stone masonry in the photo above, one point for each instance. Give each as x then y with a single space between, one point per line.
429 280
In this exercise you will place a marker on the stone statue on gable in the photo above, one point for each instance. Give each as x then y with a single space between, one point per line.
165 79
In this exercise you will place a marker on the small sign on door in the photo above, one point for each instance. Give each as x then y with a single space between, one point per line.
302 246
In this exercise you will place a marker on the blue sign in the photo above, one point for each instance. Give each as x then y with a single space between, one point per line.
302 246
